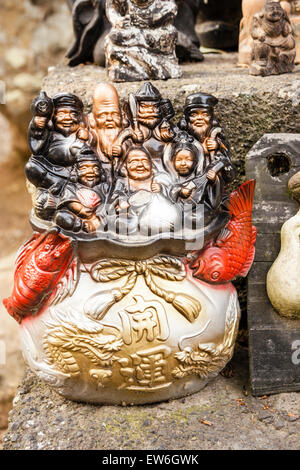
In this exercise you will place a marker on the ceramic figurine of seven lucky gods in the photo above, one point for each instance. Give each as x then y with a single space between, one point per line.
124 293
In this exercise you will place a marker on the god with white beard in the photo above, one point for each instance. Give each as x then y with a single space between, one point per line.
106 122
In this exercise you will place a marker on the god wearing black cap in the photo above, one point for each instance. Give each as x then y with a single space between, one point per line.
200 122
54 138
199 119
68 111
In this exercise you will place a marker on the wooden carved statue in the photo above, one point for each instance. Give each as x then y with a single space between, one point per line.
273 49
251 8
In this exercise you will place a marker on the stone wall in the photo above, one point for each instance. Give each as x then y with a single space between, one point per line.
248 106
34 34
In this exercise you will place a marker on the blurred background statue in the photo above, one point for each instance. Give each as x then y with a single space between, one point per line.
273 50
218 26
91 26
249 9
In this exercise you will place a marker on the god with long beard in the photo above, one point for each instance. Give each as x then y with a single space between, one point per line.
200 123
106 121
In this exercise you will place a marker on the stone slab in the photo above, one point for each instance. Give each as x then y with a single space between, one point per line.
223 416
248 106
272 339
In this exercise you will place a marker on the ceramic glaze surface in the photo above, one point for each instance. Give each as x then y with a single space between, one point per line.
123 293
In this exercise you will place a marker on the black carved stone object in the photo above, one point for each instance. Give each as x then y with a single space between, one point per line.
273 50
90 29
141 43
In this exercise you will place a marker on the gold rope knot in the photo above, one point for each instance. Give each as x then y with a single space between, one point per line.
140 267
164 267
170 297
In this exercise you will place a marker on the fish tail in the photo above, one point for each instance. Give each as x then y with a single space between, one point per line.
8 304
241 200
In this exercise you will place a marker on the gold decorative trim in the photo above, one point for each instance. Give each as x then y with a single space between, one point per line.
164 267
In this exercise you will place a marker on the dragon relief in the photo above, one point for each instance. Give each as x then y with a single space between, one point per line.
66 345
209 359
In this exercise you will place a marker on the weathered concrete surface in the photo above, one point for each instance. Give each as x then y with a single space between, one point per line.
249 106
222 416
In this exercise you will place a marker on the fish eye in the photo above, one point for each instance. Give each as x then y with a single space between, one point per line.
215 275
47 247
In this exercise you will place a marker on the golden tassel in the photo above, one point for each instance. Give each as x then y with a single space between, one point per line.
188 306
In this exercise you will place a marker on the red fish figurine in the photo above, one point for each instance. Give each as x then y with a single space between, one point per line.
42 263
232 254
